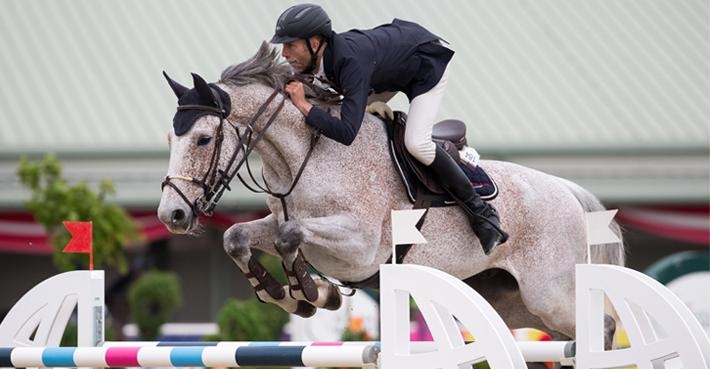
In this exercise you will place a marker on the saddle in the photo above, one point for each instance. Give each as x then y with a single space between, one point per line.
418 180
421 186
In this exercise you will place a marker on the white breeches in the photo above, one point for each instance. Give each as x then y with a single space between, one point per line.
420 120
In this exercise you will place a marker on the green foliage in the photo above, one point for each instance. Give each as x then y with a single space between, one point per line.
53 201
152 299
70 336
250 320
272 264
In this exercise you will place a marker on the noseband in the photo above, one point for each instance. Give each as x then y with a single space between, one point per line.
216 180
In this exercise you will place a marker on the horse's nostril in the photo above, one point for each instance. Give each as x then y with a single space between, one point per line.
178 216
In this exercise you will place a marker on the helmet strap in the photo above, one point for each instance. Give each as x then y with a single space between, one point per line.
314 56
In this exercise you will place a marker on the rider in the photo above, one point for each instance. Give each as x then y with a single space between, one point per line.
401 56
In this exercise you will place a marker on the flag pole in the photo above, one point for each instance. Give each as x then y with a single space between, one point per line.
91 245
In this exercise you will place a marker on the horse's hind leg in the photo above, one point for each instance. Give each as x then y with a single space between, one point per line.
238 241
501 290
555 305
319 292
551 298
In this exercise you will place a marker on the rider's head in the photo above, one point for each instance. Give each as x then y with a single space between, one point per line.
302 29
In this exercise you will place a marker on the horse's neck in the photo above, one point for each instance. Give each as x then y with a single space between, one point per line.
285 142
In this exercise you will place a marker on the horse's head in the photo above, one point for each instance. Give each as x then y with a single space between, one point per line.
200 151
218 125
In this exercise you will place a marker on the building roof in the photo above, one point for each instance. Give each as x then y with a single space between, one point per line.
614 95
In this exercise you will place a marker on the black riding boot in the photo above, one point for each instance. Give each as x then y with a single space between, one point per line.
482 216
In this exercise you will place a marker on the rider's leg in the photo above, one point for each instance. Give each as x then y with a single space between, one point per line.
417 138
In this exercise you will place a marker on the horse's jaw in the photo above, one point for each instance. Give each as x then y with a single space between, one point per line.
191 228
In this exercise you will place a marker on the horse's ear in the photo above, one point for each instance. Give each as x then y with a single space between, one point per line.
203 89
178 89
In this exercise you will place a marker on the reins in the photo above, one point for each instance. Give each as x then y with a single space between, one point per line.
215 181
281 195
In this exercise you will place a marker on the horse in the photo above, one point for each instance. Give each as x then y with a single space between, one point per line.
330 206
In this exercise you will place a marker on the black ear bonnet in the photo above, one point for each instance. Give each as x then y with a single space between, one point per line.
212 99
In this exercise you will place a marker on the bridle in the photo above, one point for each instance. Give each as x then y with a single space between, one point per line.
216 180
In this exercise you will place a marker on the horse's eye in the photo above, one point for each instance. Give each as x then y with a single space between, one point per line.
203 140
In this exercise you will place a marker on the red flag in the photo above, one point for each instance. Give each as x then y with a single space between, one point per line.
81 239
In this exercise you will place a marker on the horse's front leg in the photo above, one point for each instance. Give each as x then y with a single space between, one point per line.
338 235
239 239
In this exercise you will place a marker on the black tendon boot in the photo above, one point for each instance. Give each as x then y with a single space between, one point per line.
482 216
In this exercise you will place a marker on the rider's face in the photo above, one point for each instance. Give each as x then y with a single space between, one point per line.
296 53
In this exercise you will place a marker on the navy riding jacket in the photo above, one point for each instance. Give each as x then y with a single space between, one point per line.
400 56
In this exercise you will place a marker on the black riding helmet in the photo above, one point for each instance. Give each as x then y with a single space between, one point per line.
301 22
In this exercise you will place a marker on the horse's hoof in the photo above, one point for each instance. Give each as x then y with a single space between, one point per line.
304 309
334 299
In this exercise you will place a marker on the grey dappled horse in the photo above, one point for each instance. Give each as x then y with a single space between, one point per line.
339 208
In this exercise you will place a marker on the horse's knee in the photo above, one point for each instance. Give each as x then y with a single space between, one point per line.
236 243
290 237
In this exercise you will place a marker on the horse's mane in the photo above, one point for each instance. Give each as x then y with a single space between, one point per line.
263 68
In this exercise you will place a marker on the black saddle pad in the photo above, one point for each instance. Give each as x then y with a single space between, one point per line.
484 185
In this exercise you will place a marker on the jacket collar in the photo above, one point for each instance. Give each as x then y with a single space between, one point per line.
326 63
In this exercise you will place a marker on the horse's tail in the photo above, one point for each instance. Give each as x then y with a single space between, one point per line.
610 253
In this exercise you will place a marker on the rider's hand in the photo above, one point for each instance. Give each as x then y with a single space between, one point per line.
380 109
297 94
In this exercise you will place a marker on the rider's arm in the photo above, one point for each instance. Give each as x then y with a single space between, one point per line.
355 86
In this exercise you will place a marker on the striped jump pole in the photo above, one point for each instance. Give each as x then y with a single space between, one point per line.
361 354
227 354
533 351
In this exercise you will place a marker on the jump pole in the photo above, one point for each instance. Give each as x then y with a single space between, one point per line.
361 356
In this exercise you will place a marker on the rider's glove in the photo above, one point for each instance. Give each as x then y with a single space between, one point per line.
380 109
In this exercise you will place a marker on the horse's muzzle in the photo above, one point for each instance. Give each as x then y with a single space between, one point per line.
177 220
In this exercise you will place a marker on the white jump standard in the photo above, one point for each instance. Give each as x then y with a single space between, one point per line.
661 329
